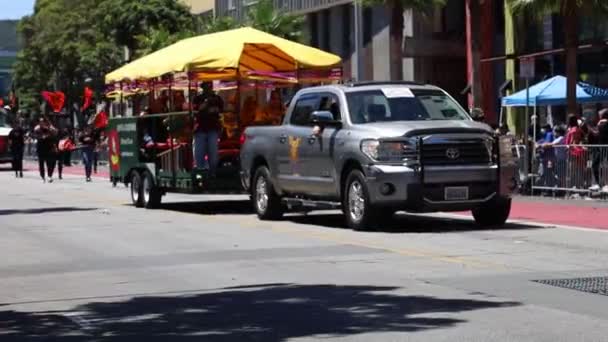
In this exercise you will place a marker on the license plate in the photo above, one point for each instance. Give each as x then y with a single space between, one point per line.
456 193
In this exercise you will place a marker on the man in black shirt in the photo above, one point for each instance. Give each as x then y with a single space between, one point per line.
209 107
16 141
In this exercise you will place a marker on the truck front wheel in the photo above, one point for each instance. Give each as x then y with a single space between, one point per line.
136 190
493 213
358 211
266 202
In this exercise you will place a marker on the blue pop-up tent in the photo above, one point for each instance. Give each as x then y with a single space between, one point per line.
552 92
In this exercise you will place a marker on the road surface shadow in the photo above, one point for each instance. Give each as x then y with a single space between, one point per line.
269 314
36 211
404 223
228 207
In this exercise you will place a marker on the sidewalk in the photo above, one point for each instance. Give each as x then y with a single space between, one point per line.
578 213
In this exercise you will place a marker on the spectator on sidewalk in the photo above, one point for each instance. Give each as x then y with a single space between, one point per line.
87 142
574 138
16 144
556 154
46 148
600 154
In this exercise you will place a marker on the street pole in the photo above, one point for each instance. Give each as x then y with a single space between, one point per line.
358 39
527 128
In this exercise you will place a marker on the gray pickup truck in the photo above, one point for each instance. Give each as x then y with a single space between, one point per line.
376 148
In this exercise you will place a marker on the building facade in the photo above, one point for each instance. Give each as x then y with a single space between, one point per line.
201 7
9 46
434 46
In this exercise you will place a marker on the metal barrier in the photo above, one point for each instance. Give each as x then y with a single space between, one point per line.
574 168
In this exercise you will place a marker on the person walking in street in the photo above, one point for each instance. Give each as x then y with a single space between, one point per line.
207 128
46 148
63 151
87 142
16 142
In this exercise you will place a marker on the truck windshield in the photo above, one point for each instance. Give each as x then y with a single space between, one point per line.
402 104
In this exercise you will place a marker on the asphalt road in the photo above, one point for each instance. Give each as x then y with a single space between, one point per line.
78 263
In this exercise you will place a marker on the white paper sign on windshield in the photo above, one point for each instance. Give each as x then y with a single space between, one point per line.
397 92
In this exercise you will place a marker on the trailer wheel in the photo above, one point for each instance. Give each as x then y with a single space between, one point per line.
265 200
151 193
136 190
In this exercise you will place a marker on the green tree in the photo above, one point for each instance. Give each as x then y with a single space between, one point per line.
217 24
571 11
128 20
395 9
265 17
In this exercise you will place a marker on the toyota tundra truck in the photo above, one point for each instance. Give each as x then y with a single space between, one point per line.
372 149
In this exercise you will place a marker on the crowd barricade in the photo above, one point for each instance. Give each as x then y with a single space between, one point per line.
579 169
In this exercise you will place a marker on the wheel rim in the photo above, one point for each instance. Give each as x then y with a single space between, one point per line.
356 201
147 189
261 194
135 189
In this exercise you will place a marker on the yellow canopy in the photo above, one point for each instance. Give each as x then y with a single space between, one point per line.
221 54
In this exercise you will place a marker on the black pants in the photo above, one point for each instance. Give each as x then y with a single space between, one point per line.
62 160
596 161
17 155
48 159
95 161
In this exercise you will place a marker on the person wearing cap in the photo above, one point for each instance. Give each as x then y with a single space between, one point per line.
207 127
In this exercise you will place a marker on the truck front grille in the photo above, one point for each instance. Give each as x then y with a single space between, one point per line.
469 153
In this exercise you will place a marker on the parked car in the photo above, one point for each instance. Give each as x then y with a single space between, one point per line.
376 148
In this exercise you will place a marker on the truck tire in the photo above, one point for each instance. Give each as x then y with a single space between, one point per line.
358 211
136 189
151 193
493 213
266 202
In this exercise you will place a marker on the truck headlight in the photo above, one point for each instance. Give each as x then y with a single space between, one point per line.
389 151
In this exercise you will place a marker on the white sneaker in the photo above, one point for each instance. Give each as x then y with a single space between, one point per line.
595 187
50 179
605 188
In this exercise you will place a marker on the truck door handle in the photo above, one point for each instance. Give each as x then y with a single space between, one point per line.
283 139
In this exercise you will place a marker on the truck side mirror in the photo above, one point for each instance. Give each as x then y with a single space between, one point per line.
324 118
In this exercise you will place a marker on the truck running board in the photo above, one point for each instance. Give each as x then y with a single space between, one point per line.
299 203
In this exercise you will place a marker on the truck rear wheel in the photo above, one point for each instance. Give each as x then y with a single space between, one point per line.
358 211
151 194
136 190
493 213
266 202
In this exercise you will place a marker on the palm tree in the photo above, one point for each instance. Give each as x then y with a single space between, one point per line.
570 11
264 17
218 24
395 9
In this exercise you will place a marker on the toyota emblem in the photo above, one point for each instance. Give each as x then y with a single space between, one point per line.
452 153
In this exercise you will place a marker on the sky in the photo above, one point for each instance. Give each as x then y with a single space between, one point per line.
15 9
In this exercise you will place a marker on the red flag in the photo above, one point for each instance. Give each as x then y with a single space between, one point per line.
56 100
101 120
88 99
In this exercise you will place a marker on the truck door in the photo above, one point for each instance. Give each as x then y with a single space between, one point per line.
322 151
292 154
